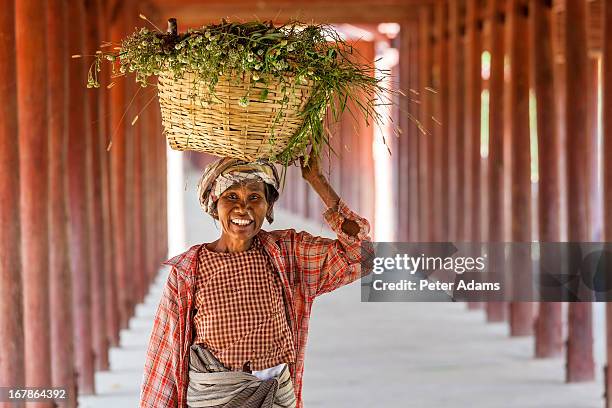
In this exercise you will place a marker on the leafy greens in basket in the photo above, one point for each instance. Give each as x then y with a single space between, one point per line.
259 49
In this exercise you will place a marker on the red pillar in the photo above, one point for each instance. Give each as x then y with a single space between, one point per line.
78 140
580 365
473 88
106 129
440 135
12 370
161 147
164 200
118 160
358 157
548 338
130 109
145 140
161 196
404 177
97 259
607 176
158 156
424 116
518 143
60 284
413 131
30 26
364 163
139 265
456 119
344 151
594 221
129 180
496 311
154 139
335 170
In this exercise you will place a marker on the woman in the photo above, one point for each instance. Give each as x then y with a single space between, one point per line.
232 324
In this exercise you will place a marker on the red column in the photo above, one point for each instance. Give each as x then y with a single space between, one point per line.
413 131
473 88
106 129
60 284
164 201
139 265
344 160
118 183
364 163
336 142
137 162
30 25
129 180
548 339
12 370
440 135
129 14
424 117
78 140
496 311
359 156
403 161
518 143
145 140
580 365
154 139
97 259
456 120
594 221
159 155
607 177
161 201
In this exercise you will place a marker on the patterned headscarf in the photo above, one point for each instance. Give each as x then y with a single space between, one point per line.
225 172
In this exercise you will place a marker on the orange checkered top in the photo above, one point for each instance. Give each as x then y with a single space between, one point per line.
240 314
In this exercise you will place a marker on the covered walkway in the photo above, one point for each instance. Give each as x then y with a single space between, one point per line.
505 136
393 354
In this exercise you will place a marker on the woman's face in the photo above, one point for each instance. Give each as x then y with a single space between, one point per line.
242 209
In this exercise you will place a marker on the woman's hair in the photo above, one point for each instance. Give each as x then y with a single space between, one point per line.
271 194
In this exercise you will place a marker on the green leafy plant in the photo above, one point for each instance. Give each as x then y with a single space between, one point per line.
309 52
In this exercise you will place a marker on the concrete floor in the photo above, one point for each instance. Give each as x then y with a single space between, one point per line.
420 355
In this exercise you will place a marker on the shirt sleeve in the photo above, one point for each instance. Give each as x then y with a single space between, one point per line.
159 385
326 264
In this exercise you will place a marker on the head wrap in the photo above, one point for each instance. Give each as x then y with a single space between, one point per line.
225 172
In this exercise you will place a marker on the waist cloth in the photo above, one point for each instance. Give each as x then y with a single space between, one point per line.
211 384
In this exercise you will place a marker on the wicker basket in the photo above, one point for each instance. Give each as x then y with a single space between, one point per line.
194 119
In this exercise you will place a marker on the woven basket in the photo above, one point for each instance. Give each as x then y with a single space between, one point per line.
194 119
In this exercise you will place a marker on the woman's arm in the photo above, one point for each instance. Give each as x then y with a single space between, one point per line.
317 180
324 264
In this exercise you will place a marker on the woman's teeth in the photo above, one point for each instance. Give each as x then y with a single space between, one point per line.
242 222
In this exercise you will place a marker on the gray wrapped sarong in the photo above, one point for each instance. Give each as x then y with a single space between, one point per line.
213 385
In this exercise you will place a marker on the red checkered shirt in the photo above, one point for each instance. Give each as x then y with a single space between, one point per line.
308 266
241 314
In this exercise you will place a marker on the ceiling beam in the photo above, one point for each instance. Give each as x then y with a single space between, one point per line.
193 13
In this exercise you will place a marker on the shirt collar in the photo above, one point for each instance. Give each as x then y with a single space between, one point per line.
186 261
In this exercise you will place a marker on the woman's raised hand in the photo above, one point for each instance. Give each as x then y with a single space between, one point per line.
310 171
313 175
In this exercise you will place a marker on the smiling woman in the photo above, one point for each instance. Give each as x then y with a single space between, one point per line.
231 327
241 211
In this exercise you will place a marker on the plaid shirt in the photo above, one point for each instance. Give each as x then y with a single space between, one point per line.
308 266
241 314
